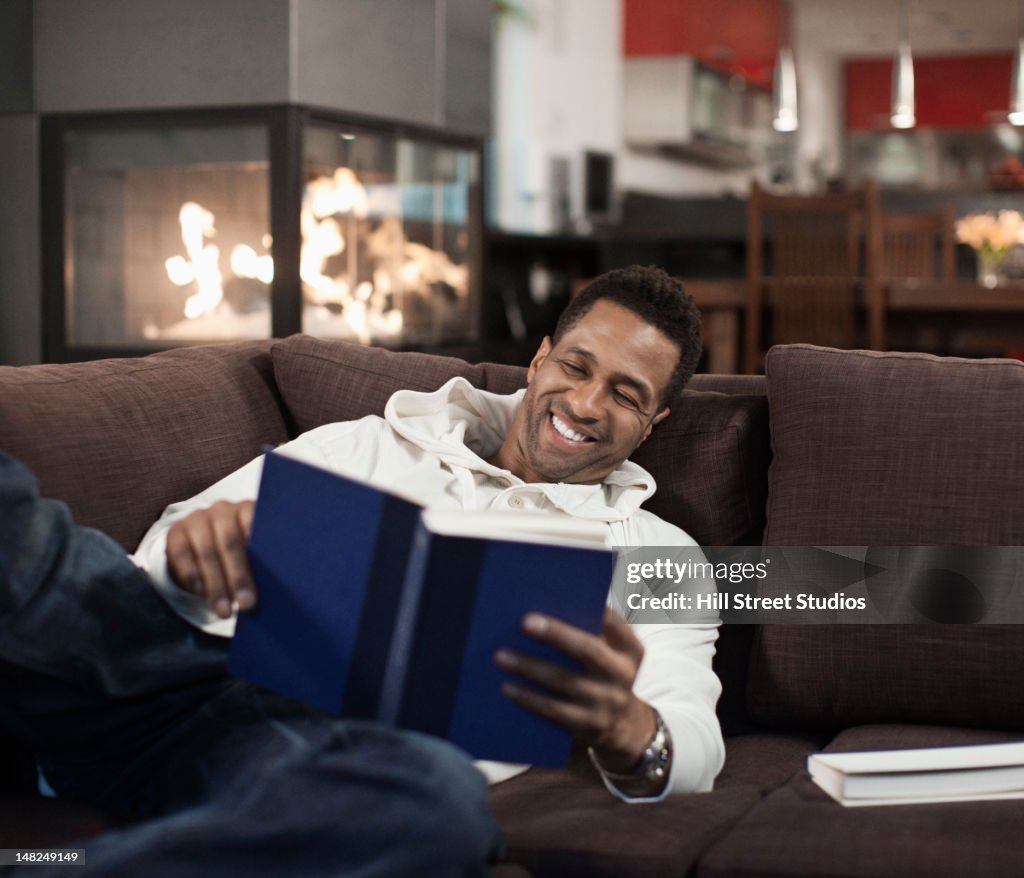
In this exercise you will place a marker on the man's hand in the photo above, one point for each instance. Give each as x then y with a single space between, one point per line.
597 704
206 555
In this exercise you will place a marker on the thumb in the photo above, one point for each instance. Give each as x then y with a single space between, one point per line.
619 635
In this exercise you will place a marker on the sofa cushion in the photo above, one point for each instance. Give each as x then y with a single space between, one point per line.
826 677
581 830
118 440
799 830
324 381
709 456
894 449
891 449
765 760
564 823
741 385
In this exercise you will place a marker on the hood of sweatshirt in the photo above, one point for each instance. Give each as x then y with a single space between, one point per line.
463 425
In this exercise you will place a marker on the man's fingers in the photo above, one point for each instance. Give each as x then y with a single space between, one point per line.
577 719
592 652
552 676
620 636
206 554
244 512
229 535
203 543
596 704
181 561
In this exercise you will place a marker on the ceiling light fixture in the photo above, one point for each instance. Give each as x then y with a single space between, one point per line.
903 114
1016 115
785 116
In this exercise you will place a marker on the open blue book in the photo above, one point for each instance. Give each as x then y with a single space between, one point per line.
370 606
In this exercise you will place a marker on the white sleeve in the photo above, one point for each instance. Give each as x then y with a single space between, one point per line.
151 554
335 447
676 678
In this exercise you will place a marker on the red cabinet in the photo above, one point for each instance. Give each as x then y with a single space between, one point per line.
962 91
738 36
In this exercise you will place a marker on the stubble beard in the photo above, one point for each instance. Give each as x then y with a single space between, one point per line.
558 468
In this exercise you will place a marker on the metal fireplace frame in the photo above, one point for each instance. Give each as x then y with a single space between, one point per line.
286 126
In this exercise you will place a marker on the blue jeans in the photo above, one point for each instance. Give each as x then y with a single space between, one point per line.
129 707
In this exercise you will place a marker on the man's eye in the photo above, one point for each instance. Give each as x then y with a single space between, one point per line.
572 368
626 399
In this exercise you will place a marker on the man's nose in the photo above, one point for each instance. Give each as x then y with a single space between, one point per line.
586 401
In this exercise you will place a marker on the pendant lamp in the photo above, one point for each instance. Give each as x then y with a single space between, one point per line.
903 112
785 116
1016 115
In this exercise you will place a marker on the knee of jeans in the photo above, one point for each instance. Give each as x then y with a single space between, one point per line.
458 817
463 833
446 768
420 758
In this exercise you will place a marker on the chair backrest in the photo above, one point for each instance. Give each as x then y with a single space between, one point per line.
918 245
815 268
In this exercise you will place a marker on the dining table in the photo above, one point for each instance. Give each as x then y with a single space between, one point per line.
994 314
954 294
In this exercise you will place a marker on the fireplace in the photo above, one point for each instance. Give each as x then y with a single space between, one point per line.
181 227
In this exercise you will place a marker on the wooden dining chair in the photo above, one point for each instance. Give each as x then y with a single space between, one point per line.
917 245
811 273
905 248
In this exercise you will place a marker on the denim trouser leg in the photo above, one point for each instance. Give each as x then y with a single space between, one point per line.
346 799
129 707
95 668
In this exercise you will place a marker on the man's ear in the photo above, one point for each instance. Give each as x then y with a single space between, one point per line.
538 358
657 419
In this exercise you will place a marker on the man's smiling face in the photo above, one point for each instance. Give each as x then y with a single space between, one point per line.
592 398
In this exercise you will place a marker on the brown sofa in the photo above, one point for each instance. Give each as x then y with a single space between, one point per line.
865 449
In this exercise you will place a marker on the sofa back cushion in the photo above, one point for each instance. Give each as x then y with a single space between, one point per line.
891 449
324 381
118 440
709 456
710 459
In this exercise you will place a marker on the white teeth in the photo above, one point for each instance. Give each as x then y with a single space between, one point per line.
566 431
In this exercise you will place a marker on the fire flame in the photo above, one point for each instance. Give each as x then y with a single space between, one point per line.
368 308
201 267
246 263
342 193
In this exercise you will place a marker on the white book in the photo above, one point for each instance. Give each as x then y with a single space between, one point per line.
932 774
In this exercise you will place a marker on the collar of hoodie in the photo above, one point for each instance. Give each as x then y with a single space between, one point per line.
462 425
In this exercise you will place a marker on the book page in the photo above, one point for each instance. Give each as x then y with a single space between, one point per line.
528 527
923 759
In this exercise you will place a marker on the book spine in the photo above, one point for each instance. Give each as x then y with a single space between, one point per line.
381 599
445 615
396 670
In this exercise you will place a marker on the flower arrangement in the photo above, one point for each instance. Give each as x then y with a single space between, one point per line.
991 236
983 231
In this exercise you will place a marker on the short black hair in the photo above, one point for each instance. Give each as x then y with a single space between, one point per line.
657 298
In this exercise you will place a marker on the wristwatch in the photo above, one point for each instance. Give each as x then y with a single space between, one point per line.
653 765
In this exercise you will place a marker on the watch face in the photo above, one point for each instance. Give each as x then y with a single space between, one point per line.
657 756
655 763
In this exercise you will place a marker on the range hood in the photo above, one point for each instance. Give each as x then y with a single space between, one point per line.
677 107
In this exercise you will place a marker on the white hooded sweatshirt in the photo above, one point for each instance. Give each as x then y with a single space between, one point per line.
432 448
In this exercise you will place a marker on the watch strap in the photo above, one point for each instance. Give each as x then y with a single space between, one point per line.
654 763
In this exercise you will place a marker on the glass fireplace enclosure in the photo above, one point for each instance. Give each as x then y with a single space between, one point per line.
180 227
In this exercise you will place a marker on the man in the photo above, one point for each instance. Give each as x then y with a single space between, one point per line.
129 708
619 355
